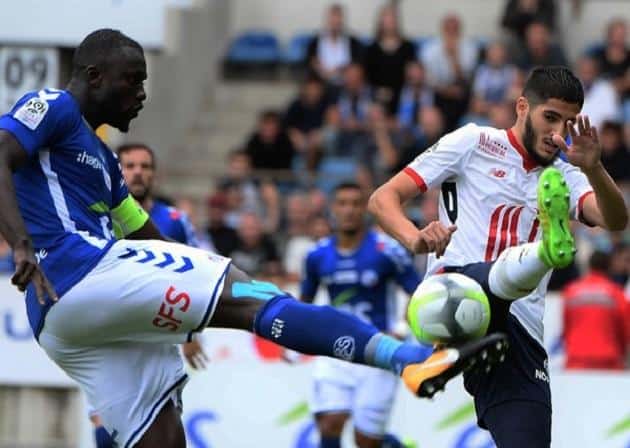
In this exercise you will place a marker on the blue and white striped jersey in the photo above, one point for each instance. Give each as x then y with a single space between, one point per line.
66 191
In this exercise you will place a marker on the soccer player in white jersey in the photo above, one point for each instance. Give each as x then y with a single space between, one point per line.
507 197
110 311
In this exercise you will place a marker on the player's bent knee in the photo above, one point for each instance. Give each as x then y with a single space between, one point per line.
166 431
241 299
364 441
331 425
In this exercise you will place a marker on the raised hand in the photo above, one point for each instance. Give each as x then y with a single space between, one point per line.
585 150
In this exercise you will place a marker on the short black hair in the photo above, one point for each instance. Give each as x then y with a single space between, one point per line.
128 147
347 185
100 45
599 261
553 81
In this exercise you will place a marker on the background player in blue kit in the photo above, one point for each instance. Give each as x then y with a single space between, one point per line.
138 165
110 312
360 269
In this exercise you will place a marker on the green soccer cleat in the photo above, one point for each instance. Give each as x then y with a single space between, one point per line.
557 248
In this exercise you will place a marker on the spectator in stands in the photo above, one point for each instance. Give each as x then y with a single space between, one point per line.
269 147
334 48
519 14
596 319
6 258
223 237
539 49
258 196
354 100
614 56
601 102
615 154
620 264
255 250
346 136
414 95
386 58
298 230
320 227
493 80
188 206
305 117
397 150
450 61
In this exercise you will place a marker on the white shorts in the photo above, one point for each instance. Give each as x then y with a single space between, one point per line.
366 393
115 332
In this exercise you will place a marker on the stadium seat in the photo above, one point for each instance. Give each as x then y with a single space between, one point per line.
593 48
295 51
253 50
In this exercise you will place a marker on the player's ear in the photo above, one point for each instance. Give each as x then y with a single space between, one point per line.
522 106
94 76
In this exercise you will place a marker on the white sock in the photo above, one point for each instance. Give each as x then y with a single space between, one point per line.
517 272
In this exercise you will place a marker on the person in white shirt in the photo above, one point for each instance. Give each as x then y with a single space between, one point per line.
504 221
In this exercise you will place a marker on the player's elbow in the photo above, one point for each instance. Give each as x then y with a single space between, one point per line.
375 201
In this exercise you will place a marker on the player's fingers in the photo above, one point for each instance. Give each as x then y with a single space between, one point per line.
49 288
571 129
39 290
559 142
452 229
580 123
595 135
191 362
201 361
587 125
24 277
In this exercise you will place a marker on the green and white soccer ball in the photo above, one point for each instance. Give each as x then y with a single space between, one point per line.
448 308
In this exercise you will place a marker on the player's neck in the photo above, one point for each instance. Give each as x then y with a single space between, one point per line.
78 90
350 241
147 203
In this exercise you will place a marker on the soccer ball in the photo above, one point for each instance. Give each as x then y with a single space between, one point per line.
448 308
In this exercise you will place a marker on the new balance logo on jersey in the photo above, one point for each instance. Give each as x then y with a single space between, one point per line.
498 173
90 160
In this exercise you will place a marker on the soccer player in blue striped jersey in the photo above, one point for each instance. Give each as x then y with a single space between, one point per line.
361 270
110 311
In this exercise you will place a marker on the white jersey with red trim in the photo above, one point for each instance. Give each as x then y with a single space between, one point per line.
488 189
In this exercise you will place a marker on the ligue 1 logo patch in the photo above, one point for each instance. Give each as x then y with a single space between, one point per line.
32 113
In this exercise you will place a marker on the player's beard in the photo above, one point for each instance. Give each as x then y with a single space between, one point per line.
530 137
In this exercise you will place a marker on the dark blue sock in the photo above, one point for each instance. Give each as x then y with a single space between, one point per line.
313 330
330 442
323 330
103 440
391 441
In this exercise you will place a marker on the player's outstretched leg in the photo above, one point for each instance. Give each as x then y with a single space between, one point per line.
519 270
322 330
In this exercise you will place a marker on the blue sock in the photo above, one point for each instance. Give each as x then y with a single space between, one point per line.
103 440
323 330
329 442
391 441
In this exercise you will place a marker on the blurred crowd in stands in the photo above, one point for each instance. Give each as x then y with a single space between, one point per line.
365 107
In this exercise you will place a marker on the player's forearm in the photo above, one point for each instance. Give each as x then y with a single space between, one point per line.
387 207
609 198
147 232
12 225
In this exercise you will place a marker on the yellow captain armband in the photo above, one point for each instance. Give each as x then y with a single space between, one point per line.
128 217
